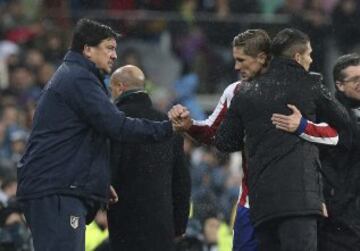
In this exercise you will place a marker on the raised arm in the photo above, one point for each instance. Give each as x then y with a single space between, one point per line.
203 131
91 103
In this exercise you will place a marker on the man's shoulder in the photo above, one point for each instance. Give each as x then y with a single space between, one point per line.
67 73
231 87
245 86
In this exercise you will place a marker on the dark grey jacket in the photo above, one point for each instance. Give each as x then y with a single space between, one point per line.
341 168
153 184
283 175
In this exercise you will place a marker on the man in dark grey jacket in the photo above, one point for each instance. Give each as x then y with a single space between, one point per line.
64 177
152 180
340 166
283 177
341 231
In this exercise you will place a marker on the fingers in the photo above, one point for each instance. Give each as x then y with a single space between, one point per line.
283 122
283 127
293 109
181 125
180 118
288 123
113 198
176 111
279 117
185 114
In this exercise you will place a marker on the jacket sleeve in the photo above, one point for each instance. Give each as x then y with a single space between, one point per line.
229 136
330 110
88 99
320 133
204 130
181 188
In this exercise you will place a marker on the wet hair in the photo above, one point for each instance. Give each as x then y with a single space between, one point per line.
344 62
288 42
253 41
91 33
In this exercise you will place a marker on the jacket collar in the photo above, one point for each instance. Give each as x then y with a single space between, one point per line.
286 62
137 95
348 102
77 58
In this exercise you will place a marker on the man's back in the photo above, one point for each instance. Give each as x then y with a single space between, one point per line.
281 165
285 83
152 182
283 170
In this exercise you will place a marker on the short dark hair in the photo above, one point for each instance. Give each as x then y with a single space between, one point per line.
91 33
288 42
253 41
344 62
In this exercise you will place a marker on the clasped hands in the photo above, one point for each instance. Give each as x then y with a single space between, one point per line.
181 121
180 118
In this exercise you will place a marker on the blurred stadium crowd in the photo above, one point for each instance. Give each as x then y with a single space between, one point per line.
184 47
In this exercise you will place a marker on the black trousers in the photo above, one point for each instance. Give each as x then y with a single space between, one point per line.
335 236
57 222
296 233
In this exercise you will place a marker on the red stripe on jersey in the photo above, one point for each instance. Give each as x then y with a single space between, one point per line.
320 131
206 133
245 190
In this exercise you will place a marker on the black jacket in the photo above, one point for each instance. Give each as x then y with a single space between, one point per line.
153 184
68 149
341 169
283 175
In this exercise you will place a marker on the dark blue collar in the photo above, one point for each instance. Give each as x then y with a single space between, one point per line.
77 58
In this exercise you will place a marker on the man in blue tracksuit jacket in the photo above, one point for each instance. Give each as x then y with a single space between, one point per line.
63 177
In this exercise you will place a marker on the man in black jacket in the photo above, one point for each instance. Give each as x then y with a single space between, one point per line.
341 167
284 182
64 177
152 180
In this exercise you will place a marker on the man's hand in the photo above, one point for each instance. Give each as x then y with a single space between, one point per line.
113 197
288 123
180 118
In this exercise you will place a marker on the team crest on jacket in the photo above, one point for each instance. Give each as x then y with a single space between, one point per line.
74 221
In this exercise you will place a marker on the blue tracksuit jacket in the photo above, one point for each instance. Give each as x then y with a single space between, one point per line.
68 149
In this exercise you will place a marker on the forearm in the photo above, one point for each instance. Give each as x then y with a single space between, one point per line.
321 133
202 133
142 130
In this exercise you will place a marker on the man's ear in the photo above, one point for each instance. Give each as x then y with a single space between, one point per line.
87 51
339 86
297 57
261 57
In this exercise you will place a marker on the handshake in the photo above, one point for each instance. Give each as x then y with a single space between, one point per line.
180 118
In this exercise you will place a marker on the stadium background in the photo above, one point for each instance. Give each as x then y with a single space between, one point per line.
184 47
